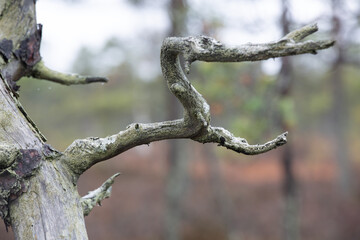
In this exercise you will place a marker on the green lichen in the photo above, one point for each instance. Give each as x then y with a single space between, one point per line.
5 118
8 154
23 16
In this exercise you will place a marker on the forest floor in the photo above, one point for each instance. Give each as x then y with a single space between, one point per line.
251 188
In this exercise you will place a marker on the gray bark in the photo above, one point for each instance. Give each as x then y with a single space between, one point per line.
38 196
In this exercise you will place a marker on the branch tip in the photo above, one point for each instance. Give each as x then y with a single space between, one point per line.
96 79
226 139
281 139
301 33
95 197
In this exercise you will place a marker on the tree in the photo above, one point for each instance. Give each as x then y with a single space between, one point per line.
283 90
38 196
177 160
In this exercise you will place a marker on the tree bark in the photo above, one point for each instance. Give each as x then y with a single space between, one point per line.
48 210
43 210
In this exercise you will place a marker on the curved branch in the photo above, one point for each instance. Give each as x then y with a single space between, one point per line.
40 71
226 139
93 198
195 124
83 153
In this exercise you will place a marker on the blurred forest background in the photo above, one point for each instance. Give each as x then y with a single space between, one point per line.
179 189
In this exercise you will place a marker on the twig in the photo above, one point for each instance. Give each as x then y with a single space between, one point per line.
40 71
95 197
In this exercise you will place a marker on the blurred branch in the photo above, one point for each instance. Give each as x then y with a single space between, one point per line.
95 197
195 124
40 71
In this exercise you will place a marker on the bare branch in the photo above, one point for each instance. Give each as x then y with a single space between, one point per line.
226 139
301 33
207 49
95 197
195 124
40 71
83 153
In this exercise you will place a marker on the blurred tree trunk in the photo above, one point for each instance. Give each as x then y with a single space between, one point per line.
339 111
284 89
177 158
222 200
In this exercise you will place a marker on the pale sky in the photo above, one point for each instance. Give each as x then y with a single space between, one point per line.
69 26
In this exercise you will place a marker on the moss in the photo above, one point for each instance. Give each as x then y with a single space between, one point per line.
5 119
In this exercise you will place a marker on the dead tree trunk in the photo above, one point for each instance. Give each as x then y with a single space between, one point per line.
38 194
39 198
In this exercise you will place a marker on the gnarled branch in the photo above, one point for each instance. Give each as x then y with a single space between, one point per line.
226 139
195 124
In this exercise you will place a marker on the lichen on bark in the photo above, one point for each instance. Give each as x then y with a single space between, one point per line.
20 165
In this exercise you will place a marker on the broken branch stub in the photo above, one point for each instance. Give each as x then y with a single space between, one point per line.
195 124
93 198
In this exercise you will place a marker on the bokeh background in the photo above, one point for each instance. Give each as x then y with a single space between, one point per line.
179 189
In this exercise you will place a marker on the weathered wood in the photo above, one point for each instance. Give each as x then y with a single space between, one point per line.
38 192
38 196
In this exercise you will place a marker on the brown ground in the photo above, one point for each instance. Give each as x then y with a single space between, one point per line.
136 210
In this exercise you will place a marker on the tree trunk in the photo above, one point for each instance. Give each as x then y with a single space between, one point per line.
339 108
48 210
42 196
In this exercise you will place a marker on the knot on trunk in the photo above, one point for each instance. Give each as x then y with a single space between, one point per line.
23 163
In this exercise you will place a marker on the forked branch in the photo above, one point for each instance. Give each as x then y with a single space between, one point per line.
195 124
